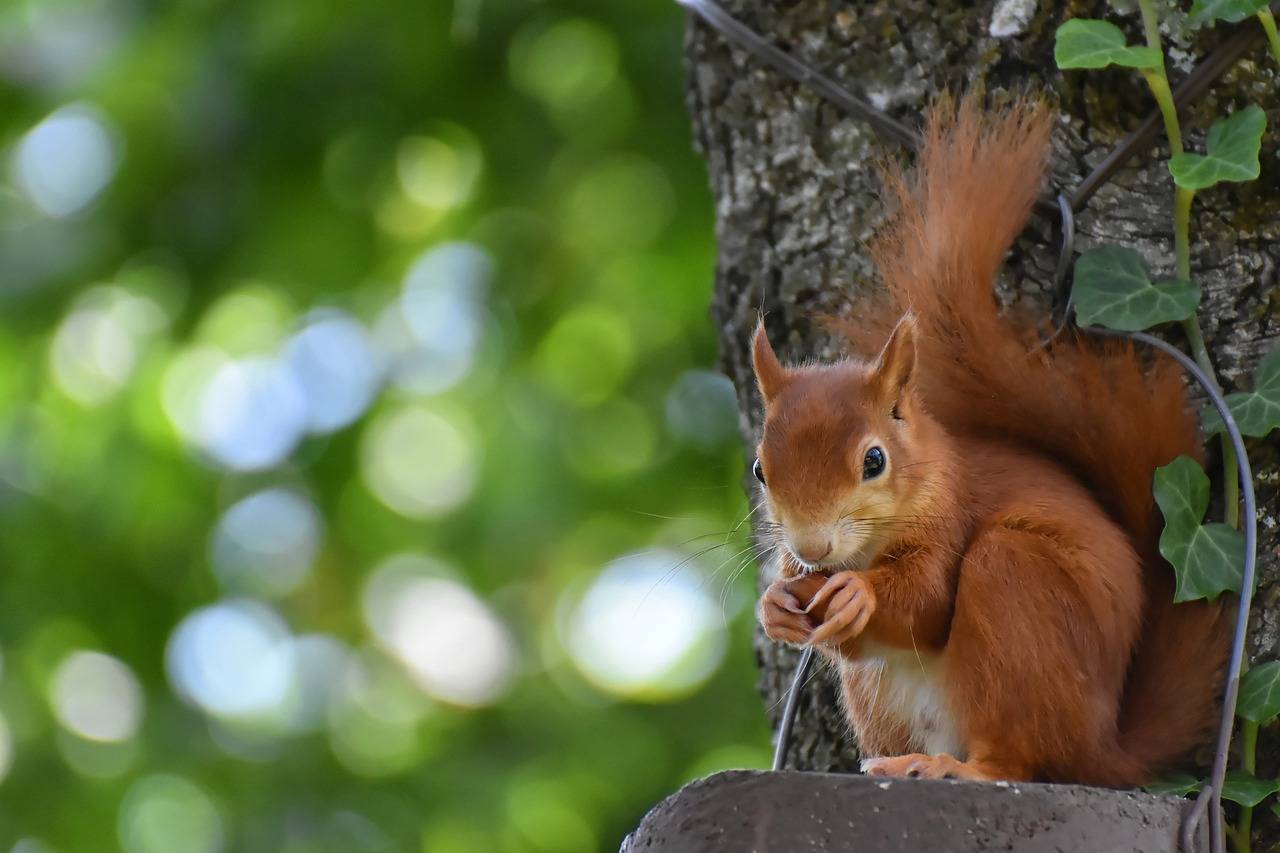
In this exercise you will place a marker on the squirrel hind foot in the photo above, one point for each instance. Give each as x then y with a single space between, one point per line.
918 765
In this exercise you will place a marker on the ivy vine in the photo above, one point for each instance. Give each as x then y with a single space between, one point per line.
1112 287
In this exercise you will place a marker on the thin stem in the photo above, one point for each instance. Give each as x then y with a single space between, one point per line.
1230 479
1151 25
1249 730
1195 342
1159 85
1231 486
1269 26
1249 758
1182 232
1234 836
1158 80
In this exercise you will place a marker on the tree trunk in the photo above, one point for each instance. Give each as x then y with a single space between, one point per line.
796 198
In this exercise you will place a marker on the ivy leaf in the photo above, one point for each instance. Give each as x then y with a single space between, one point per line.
1231 152
1112 288
1210 556
1240 787
1178 784
1231 11
1256 412
1259 698
1089 43
1207 559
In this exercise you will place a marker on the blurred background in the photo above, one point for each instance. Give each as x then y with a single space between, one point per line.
365 480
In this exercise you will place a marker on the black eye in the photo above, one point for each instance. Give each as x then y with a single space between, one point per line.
758 471
873 463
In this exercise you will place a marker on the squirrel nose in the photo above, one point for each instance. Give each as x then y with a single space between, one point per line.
812 553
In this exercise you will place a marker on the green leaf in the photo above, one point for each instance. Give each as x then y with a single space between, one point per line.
1231 11
1111 288
1207 559
1088 43
1178 784
1259 699
1240 787
1256 412
1211 559
1231 152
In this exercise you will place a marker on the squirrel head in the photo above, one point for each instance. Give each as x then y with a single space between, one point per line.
845 458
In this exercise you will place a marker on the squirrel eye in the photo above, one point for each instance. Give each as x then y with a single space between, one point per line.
873 463
758 471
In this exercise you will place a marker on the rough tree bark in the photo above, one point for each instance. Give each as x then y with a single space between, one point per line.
796 198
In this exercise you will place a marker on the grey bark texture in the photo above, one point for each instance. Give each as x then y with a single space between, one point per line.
792 812
796 191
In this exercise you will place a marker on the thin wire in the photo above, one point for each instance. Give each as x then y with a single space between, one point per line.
751 41
1211 794
1060 316
789 712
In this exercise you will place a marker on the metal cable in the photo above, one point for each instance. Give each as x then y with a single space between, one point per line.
1211 794
789 711
755 44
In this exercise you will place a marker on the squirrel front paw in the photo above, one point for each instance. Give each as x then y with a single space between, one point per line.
846 603
783 616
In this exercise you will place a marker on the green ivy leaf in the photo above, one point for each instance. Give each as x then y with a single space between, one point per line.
1208 559
1259 698
1256 412
1178 784
1088 43
1231 152
1211 559
1240 787
1112 288
1231 11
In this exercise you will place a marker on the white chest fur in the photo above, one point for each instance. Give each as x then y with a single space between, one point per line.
907 687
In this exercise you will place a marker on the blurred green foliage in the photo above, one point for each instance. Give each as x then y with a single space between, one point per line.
363 486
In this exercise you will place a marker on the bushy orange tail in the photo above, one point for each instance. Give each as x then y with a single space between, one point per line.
1098 408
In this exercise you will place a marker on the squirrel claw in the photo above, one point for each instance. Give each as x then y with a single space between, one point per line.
781 616
914 766
850 604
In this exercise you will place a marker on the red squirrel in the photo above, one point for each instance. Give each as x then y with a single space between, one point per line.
966 519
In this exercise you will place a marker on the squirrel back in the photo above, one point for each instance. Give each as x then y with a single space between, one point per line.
1107 414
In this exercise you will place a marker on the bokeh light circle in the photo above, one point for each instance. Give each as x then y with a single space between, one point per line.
67 160
253 413
431 334
418 461
452 644
647 627
166 814
96 697
265 544
333 362
99 342
232 659
702 409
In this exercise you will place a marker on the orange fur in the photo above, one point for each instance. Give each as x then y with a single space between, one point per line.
1009 546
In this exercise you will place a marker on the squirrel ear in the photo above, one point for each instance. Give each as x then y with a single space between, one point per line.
893 367
771 376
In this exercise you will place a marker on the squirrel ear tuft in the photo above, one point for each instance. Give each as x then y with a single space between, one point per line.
771 376
893 367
